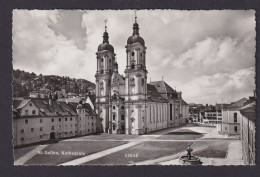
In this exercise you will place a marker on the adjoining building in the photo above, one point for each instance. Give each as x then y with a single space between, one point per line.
248 129
231 117
130 105
36 119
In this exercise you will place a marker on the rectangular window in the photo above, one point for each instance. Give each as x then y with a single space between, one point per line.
52 120
22 139
40 120
26 121
52 127
40 136
33 112
59 119
32 129
65 133
26 112
92 124
66 119
30 104
40 128
71 119
22 130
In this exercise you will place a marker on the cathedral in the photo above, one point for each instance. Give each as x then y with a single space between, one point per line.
130 105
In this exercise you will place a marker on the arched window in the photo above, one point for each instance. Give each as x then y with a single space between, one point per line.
114 117
114 127
132 66
142 81
132 81
170 111
114 96
123 127
235 117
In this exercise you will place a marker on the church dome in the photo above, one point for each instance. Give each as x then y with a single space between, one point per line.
105 45
135 37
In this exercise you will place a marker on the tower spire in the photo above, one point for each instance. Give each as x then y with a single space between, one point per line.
105 35
105 25
135 26
135 16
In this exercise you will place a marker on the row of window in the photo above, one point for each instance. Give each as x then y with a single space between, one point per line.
26 121
53 128
27 112
122 107
122 117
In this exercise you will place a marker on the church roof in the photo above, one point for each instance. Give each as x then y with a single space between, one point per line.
163 87
154 95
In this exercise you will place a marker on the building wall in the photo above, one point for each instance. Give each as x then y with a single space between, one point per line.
229 125
157 116
39 128
248 140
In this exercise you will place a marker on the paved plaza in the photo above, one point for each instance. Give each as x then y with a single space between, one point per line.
163 147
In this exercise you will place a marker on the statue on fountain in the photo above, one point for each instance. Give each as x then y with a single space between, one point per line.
189 159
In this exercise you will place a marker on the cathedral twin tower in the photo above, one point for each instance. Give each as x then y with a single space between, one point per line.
128 104
120 101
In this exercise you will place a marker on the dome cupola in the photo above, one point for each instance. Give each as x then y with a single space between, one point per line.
135 37
105 45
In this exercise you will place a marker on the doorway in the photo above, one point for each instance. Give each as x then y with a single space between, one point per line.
52 135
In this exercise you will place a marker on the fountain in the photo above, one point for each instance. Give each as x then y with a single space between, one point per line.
189 159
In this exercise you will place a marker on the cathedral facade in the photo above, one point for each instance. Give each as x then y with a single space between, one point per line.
130 105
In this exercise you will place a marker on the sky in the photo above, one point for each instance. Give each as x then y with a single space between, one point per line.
207 55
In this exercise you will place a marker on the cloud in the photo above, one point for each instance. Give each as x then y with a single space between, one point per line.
182 46
220 87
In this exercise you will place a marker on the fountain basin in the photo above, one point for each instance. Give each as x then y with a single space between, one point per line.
184 160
